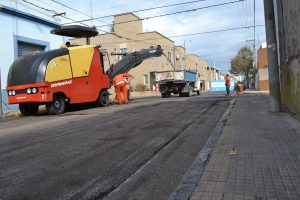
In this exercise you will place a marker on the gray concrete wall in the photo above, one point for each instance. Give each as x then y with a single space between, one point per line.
288 16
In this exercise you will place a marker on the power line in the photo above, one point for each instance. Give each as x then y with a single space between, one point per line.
55 13
165 6
179 12
216 31
49 10
70 8
192 34
77 12
245 14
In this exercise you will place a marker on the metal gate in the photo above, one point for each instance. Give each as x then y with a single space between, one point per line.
26 48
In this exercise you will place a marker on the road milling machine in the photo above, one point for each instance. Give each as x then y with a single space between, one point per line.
72 74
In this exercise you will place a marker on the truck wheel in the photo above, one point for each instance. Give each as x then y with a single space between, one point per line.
28 108
58 105
189 93
103 99
181 94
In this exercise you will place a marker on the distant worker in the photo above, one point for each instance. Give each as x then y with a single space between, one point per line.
227 84
120 82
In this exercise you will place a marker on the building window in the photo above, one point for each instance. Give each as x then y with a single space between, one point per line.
122 50
26 48
169 55
146 82
24 45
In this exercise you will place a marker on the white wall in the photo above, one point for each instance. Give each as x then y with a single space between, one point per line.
33 10
13 27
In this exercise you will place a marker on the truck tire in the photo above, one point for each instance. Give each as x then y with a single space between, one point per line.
190 91
28 108
103 99
57 106
181 94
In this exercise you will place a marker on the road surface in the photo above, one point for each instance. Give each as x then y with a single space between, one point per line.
135 151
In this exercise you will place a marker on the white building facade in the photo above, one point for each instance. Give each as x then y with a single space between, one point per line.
25 28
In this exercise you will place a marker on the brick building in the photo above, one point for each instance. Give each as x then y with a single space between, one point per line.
262 69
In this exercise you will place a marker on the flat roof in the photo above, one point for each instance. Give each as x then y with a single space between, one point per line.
127 13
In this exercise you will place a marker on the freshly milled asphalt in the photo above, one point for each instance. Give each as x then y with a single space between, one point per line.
135 151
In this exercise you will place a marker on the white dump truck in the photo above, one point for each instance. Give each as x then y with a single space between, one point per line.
182 82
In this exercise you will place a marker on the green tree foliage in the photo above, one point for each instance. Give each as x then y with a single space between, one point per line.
242 64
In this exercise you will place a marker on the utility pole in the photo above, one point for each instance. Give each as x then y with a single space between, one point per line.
254 28
273 66
1 104
254 40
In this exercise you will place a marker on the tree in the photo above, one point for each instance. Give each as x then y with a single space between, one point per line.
242 64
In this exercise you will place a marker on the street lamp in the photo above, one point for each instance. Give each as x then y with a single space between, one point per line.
185 52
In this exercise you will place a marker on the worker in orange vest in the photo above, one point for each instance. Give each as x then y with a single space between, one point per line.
120 82
227 84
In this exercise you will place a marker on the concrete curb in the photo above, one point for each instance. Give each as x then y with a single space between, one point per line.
191 178
11 114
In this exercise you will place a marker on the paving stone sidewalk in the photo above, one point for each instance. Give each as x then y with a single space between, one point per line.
257 156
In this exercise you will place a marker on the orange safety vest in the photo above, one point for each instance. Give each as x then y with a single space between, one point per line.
120 78
227 81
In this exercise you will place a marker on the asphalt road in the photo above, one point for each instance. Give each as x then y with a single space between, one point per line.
135 151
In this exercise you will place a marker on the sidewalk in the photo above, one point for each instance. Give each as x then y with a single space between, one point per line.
257 156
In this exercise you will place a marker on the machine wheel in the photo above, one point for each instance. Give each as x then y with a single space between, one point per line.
103 99
28 108
58 105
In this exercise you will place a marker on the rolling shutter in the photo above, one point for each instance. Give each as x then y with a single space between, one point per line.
25 48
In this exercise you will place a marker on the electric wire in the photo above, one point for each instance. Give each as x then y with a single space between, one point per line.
173 13
143 41
54 12
141 10
192 34
178 12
